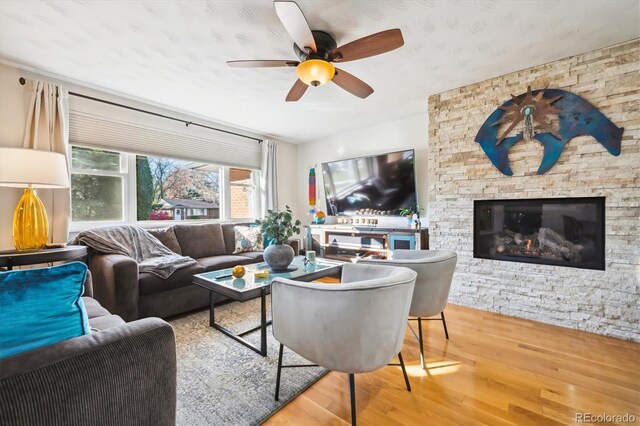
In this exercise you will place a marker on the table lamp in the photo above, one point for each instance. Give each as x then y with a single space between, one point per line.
29 169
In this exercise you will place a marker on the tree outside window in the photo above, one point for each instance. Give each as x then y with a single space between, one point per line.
97 182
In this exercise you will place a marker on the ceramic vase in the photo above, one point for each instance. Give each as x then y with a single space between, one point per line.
278 256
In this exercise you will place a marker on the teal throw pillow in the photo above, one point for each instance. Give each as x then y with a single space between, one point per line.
40 307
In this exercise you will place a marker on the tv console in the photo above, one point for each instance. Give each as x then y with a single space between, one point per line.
347 242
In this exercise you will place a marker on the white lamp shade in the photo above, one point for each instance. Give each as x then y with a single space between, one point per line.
20 168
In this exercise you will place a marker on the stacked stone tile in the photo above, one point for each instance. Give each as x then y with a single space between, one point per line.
604 302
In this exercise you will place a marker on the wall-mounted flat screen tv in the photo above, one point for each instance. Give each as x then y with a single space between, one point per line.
379 185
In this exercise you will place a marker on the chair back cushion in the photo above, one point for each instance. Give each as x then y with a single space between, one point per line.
435 270
40 307
200 240
353 327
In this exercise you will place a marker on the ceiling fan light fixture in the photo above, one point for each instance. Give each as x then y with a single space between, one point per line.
315 72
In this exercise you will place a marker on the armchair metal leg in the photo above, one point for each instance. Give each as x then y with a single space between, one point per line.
280 367
404 372
444 324
279 371
352 392
421 343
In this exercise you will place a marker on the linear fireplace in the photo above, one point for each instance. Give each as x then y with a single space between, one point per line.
552 231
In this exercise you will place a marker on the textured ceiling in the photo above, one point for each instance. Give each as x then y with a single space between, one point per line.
174 52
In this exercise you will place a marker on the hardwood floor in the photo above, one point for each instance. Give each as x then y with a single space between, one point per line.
494 370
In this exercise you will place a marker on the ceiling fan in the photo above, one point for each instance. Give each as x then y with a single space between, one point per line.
317 50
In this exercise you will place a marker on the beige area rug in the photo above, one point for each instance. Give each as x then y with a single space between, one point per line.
220 381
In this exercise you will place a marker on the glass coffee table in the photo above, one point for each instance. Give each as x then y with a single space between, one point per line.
249 287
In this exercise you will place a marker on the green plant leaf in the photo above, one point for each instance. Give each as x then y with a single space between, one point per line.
279 225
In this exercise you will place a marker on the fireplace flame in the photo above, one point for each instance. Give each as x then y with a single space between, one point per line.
528 245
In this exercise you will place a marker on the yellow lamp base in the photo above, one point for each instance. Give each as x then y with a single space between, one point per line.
30 222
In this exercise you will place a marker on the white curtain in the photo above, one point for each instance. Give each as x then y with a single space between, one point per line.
269 175
46 130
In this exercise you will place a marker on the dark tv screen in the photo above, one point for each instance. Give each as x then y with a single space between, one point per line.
381 184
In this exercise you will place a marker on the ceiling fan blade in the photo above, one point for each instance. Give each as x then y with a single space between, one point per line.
371 45
296 91
352 84
262 64
296 24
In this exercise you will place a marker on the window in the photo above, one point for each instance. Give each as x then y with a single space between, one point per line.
343 174
97 185
176 190
242 194
109 186
363 170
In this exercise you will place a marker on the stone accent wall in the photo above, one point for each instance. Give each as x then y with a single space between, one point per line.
604 302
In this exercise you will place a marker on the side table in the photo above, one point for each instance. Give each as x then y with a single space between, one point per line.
11 258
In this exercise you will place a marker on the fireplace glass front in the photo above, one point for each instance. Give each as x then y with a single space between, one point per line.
552 231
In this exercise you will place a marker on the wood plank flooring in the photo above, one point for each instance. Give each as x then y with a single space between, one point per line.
494 370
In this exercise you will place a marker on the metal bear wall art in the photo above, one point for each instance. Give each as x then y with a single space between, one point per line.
576 117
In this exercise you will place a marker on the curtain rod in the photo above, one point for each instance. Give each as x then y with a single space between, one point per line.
187 123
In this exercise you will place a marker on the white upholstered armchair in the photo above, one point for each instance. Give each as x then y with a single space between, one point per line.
352 327
435 272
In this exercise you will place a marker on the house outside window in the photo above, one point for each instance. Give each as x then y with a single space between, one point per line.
109 186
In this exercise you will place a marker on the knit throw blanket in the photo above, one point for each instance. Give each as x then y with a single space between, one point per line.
152 256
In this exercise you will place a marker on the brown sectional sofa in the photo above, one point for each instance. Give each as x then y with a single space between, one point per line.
121 289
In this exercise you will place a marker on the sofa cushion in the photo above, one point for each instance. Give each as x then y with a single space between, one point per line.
229 233
214 263
42 306
94 309
255 256
150 283
167 236
99 318
104 322
200 240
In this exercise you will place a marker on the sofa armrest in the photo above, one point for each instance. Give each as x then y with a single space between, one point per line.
295 245
121 375
115 284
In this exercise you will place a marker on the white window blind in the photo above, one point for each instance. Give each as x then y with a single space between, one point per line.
94 124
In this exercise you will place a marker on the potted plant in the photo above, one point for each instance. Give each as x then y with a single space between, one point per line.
412 214
278 226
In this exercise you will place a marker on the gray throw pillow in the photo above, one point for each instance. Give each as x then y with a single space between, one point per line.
167 236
